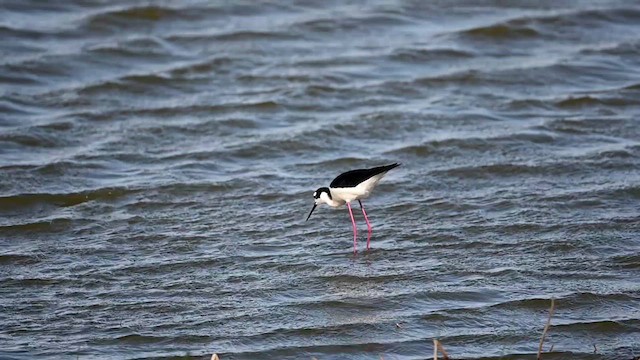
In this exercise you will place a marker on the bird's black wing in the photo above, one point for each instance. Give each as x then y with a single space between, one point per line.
354 177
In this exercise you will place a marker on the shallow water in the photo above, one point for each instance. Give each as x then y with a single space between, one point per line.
157 162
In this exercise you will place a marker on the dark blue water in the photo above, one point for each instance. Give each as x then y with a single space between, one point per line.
158 159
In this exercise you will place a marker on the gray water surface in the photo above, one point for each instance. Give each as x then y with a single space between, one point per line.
158 159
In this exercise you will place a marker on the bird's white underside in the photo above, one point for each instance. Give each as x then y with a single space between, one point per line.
340 196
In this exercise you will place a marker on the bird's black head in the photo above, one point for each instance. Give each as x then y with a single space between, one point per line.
317 193
316 196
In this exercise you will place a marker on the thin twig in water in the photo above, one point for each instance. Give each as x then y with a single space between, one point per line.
546 328
437 345
445 356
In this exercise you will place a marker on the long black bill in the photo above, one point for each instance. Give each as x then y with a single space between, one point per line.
313 208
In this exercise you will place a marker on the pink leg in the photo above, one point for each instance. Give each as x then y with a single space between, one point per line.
368 225
355 230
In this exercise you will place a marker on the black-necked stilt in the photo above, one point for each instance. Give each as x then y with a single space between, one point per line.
350 186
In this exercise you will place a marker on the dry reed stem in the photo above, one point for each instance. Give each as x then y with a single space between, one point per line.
445 356
437 345
546 328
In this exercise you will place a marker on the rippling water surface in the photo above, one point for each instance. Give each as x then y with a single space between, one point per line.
157 161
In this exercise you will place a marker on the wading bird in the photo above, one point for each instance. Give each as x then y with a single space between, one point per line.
350 186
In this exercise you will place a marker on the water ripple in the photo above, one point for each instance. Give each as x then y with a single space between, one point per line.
157 163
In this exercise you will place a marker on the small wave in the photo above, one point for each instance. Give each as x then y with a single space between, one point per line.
18 259
149 12
190 109
33 140
509 30
501 170
526 104
142 13
632 87
255 36
567 302
333 61
342 24
422 55
632 191
622 49
387 18
528 27
587 101
613 15
48 226
473 143
464 77
147 48
209 36
135 339
270 148
213 127
6 31
14 106
56 125
589 298
18 78
63 200
40 70
613 154
581 124
146 83
35 282
605 326
214 65
145 17
630 261
341 162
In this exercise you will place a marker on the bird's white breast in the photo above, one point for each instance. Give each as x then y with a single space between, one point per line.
333 201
